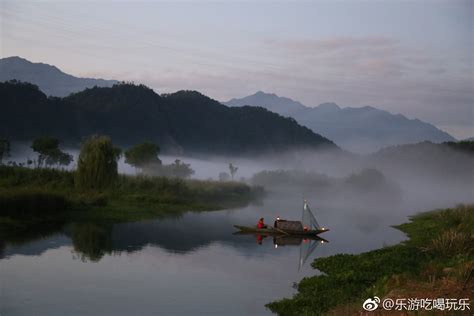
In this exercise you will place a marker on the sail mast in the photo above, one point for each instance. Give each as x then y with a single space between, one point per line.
308 217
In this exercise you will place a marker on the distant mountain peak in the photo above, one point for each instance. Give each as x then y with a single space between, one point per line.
359 129
50 79
270 101
16 59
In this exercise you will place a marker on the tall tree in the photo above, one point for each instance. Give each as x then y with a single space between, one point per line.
64 159
97 164
180 169
46 147
143 156
233 170
49 153
4 149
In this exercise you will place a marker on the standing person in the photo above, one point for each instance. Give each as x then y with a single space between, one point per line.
261 223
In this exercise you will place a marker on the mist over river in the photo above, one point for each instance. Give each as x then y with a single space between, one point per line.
194 263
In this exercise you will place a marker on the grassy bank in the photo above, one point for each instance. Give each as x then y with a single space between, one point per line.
36 194
436 261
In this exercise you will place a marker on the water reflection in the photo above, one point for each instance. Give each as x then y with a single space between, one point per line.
172 266
307 245
29 238
193 231
91 241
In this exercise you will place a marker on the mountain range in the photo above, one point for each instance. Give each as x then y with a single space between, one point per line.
184 122
51 80
361 130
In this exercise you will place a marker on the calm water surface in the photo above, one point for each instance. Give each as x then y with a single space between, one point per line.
192 265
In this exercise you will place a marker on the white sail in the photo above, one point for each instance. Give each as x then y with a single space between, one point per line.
308 218
308 246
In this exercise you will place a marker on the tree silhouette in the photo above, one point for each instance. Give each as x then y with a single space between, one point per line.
143 155
4 149
49 153
180 169
233 170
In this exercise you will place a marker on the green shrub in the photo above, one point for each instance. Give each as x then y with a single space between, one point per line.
97 164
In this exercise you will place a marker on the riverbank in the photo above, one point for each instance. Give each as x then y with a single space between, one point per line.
436 261
33 195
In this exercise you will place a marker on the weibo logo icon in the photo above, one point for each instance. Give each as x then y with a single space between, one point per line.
371 304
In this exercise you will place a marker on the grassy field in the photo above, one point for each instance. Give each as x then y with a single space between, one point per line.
39 194
436 261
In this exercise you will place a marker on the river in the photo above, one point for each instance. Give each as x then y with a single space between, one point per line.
190 265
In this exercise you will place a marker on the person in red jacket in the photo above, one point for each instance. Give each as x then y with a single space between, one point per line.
261 223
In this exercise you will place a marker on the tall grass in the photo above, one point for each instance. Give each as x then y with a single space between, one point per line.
25 191
44 178
452 242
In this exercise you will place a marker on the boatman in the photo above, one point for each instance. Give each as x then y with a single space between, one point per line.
261 223
275 224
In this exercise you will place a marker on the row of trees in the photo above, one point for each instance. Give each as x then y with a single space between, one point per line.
48 151
97 165
145 158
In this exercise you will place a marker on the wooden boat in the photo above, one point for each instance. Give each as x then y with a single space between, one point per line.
308 217
275 231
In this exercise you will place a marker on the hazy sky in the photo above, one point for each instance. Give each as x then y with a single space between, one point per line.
409 57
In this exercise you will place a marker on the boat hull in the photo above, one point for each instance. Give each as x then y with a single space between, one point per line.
273 231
